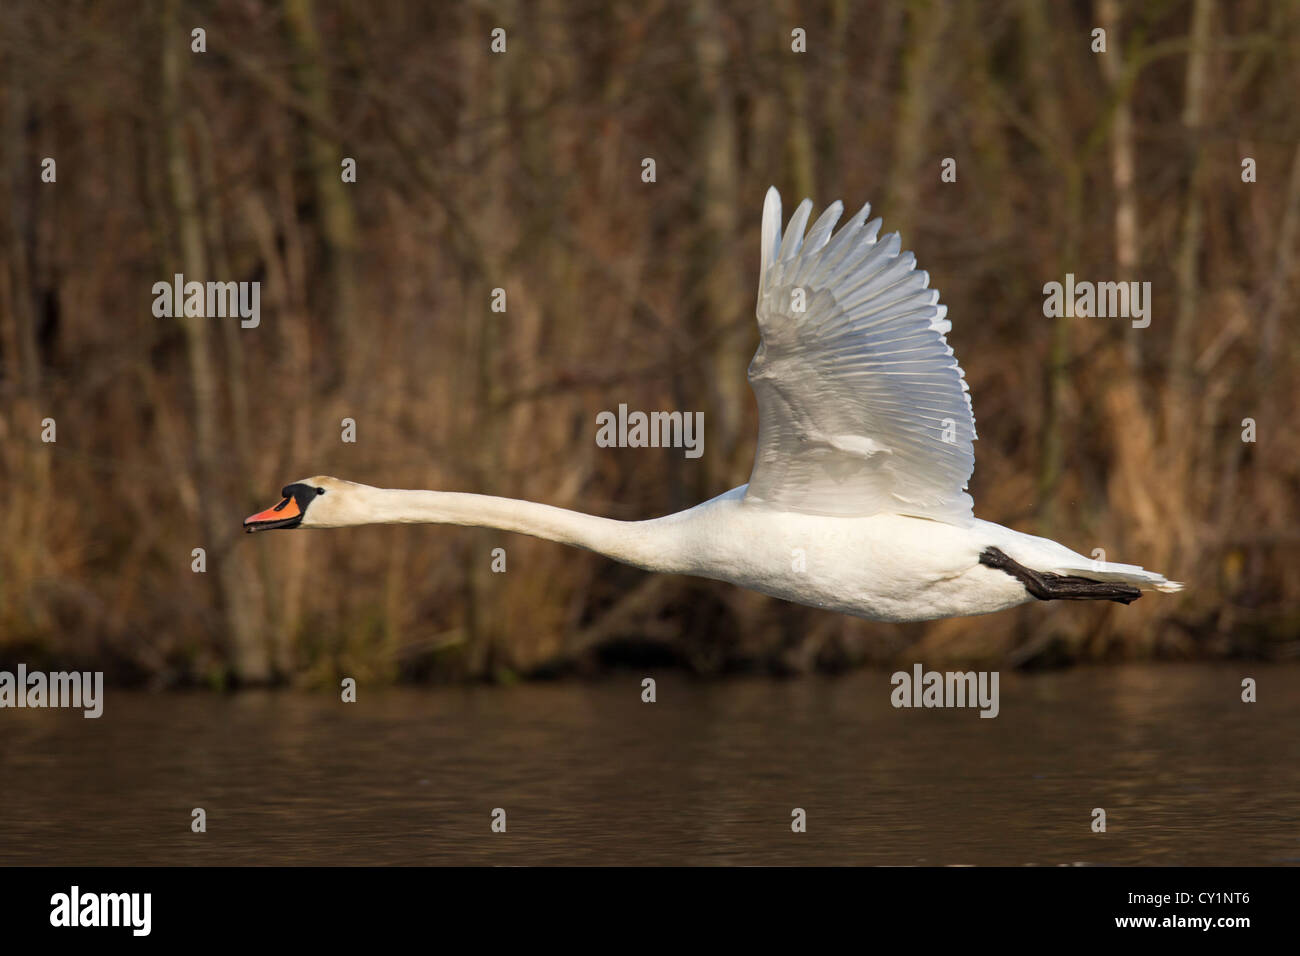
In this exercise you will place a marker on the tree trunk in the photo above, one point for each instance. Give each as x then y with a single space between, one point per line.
247 653
334 205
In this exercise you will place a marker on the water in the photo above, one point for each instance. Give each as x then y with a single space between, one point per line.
709 774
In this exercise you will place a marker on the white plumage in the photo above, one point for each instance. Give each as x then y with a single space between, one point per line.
857 501
862 407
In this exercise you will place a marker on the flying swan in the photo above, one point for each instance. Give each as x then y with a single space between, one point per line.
857 499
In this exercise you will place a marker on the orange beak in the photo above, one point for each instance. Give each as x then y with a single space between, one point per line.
283 515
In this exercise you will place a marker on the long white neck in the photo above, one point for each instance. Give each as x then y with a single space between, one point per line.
646 544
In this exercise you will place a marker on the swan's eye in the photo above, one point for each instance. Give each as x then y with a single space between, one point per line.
320 491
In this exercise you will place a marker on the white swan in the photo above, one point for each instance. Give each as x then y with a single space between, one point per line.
857 499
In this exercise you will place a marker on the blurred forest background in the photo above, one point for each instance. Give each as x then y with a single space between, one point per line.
522 171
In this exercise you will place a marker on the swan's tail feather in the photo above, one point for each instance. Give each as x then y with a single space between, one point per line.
1080 579
1123 573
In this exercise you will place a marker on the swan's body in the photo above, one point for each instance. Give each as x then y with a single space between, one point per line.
857 500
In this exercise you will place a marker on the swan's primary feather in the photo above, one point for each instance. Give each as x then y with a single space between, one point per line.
862 407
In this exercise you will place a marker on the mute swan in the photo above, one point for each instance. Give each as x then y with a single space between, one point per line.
857 499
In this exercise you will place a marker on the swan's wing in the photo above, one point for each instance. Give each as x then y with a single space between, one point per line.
862 408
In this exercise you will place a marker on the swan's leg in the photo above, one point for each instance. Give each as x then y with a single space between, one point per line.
1056 587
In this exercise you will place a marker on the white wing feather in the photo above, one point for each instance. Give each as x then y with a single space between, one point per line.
862 407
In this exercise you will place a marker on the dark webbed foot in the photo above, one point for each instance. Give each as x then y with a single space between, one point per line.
1060 587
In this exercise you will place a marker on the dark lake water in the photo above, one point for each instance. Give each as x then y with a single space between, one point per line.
709 774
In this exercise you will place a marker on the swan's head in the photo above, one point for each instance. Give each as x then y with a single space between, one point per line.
319 502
